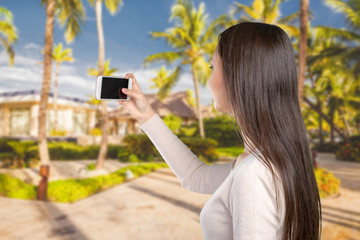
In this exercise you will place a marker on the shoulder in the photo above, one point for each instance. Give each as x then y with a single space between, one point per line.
253 180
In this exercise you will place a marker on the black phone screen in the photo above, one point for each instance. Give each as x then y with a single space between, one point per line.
111 88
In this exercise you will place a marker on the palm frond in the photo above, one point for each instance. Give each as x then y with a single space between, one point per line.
290 18
181 11
349 9
184 36
240 8
168 57
9 50
169 83
214 28
274 12
6 15
9 31
169 37
329 32
113 5
70 13
198 20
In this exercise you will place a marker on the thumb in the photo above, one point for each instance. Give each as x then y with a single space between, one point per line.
131 93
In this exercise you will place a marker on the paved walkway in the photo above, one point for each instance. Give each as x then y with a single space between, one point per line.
341 214
155 206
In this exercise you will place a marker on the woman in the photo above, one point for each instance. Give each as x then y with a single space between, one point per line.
270 190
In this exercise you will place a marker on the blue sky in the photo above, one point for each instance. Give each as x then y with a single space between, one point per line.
127 43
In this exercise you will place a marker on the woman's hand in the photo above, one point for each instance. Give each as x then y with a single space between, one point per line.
137 105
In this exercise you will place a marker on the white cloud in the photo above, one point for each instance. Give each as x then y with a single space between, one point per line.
26 76
186 81
33 46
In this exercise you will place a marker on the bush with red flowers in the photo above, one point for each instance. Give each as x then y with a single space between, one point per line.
349 151
327 183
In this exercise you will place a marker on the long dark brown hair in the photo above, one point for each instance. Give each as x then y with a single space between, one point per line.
261 88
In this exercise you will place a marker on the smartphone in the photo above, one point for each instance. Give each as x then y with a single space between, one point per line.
109 88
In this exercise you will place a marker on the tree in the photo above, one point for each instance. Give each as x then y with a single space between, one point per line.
112 6
193 42
304 10
70 13
59 55
333 84
8 33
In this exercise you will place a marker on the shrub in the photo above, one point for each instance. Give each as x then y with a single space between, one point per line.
173 122
141 146
233 151
349 151
95 132
71 190
327 183
72 151
203 148
219 128
4 146
186 131
14 152
57 132
326 147
16 188
90 166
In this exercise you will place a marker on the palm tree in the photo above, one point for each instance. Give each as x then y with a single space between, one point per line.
349 53
70 13
164 82
193 42
304 12
333 83
8 33
59 55
107 71
112 6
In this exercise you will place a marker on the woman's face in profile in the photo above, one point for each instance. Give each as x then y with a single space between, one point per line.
216 83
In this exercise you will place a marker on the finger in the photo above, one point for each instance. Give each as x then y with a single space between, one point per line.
132 93
135 84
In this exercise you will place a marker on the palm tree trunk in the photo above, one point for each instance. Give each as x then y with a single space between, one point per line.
55 94
348 131
304 8
44 95
104 123
332 128
321 139
197 93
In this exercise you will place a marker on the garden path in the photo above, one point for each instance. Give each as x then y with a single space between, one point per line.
341 214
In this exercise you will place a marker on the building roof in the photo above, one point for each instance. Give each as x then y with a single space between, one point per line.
34 96
176 103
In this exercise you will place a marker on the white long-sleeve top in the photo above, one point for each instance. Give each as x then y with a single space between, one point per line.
242 204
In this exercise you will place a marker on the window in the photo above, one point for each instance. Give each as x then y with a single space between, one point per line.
80 122
19 121
1 121
50 119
